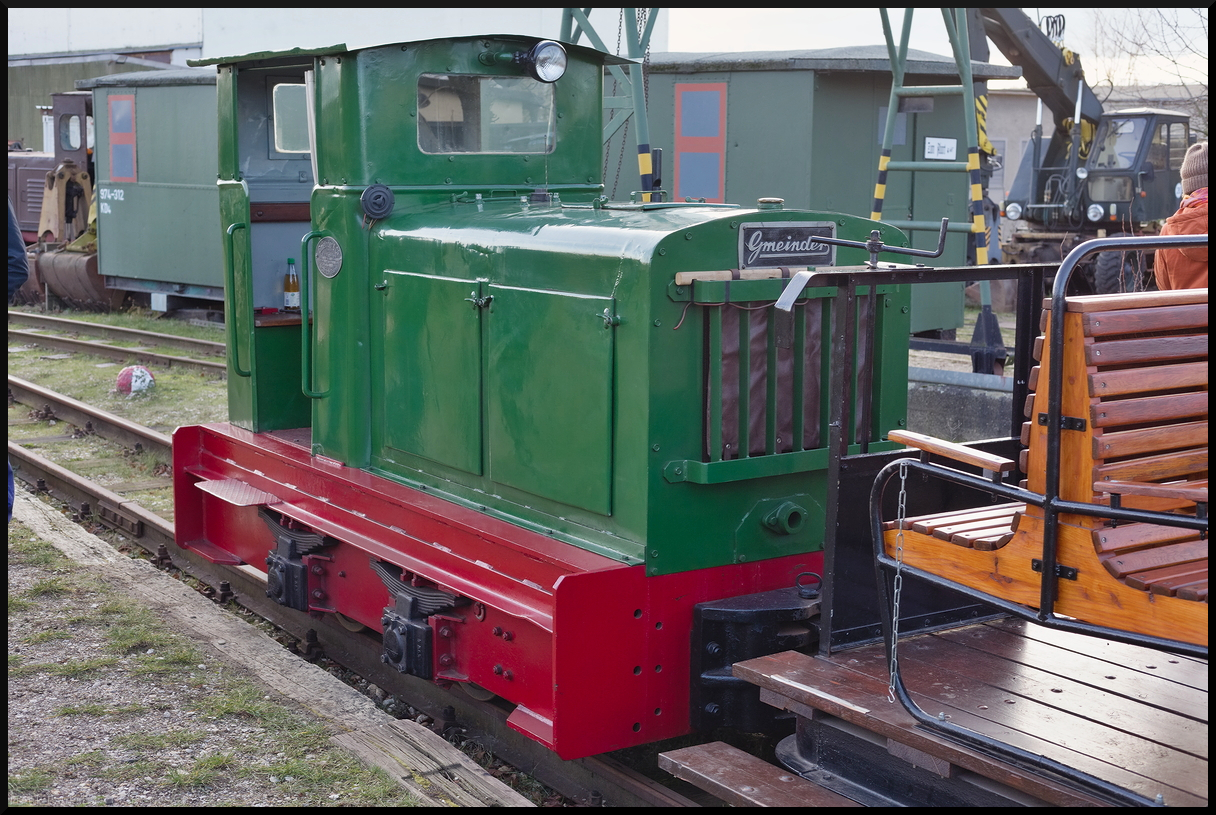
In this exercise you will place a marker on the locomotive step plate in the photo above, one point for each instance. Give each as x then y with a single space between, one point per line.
238 493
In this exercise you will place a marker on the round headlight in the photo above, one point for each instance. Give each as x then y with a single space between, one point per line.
546 61
1013 211
1094 212
1082 173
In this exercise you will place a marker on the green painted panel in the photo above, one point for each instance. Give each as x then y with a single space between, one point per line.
238 310
432 369
279 403
549 395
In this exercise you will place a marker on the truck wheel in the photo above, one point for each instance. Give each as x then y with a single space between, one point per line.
1117 272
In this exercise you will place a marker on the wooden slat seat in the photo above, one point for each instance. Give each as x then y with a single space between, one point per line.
986 529
1135 380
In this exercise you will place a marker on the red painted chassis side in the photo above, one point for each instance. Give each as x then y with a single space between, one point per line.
594 654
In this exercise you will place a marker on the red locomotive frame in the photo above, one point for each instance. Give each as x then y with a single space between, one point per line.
594 653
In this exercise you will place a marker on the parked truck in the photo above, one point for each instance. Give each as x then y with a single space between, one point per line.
1092 172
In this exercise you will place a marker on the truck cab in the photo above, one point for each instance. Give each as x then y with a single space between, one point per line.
1129 176
1133 168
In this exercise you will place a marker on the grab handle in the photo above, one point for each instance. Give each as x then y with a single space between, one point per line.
306 323
230 280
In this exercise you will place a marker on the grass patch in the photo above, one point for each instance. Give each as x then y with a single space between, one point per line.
159 741
17 605
93 758
202 773
35 552
172 660
50 587
137 629
90 709
131 771
76 668
247 701
95 709
34 780
47 636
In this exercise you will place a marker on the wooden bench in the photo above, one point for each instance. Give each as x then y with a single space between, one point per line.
1134 405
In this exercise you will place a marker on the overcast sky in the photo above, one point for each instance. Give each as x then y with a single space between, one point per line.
760 29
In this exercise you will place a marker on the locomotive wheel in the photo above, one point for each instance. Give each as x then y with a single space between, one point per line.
353 626
477 691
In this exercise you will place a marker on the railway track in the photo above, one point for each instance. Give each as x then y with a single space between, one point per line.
601 780
68 325
51 332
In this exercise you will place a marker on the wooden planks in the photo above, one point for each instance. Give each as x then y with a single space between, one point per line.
741 779
1132 716
425 762
1088 304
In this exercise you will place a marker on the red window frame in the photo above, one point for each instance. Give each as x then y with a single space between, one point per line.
122 138
701 145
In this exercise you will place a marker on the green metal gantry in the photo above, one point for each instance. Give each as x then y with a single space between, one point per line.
575 23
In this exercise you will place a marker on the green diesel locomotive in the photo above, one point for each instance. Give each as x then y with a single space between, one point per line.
528 435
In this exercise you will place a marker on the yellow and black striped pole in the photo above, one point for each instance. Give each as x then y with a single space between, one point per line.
646 171
880 186
981 122
977 207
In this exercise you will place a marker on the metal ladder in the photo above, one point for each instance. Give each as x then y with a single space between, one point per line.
987 330
956 28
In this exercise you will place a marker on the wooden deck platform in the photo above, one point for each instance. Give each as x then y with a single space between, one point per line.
1131 716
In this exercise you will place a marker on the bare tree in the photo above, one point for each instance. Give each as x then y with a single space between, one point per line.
1171 40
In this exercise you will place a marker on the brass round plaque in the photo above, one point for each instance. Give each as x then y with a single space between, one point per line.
328 255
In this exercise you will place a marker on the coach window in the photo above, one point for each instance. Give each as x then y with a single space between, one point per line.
123 165
69 132
290 118
485 114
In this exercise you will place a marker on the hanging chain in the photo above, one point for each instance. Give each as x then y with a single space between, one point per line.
645 69
900 516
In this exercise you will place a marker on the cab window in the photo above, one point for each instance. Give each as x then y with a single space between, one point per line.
290 118
1118 143
1179 142
484 114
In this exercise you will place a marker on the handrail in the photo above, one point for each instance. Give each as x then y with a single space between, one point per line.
230 280
306 322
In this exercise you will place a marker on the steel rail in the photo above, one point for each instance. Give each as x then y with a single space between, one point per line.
89 499
44 321
114 352
89 418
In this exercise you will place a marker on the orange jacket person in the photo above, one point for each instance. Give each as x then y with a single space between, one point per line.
1187 268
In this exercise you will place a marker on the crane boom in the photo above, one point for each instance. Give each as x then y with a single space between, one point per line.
1055 75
